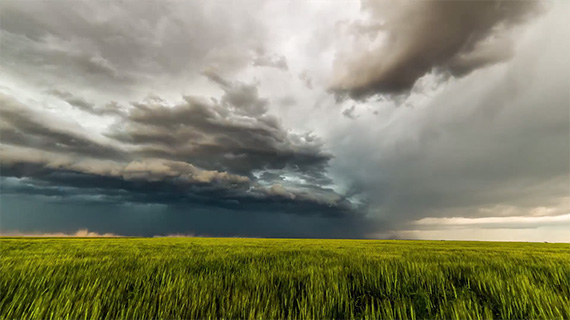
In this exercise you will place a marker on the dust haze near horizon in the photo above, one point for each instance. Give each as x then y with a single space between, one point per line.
346 119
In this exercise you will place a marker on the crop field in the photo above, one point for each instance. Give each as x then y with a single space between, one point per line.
199 278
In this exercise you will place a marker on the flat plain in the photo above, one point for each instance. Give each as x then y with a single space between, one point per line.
235 278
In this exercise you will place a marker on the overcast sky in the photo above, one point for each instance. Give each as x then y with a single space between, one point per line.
342 119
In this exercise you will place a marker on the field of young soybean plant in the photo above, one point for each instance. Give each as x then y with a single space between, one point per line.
199 278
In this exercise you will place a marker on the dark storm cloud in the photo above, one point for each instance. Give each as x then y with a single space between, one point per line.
200 152
454 37
234 134
158 181
197 153
21 126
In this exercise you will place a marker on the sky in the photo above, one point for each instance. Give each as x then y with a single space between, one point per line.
322 119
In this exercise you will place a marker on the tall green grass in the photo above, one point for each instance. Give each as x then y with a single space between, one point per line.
199 278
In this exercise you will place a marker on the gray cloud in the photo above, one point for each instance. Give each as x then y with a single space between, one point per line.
198 153
21 126
454 37
120 45
494 143
156 181
273 61
111 108
349 113
306 79
234 134
242 98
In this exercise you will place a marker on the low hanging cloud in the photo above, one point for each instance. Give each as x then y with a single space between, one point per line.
151 181
199 152
405 40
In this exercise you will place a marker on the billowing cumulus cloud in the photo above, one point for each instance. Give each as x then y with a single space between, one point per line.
429 119
199 151
406 40
235 133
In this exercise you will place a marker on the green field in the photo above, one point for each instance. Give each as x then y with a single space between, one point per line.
198 278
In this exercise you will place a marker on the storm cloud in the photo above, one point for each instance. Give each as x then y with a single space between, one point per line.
410 119
406 40
234 133
160 146
199 153
495 143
